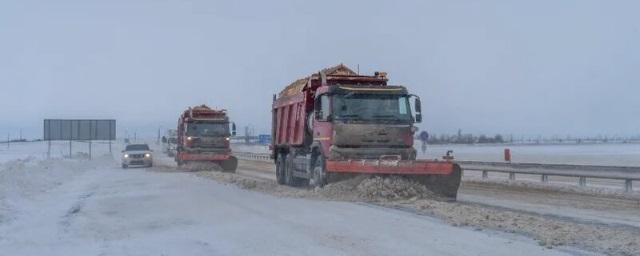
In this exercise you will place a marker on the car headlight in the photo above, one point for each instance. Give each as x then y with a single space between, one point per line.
147 155
189 138
126 155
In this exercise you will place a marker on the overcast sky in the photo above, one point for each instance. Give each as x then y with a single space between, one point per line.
546 67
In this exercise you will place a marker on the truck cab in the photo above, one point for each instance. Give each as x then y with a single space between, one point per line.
365 122
204 135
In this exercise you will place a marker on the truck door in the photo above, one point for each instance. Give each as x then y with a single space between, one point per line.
322 125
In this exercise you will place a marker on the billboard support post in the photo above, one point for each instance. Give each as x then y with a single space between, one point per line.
89 150
110 141
70 154
48 149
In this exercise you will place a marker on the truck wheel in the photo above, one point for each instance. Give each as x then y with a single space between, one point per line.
288 176
124 166
289 169
280 169
319 173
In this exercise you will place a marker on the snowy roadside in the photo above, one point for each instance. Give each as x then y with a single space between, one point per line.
80 207
549 231
38 150
26 184
23 179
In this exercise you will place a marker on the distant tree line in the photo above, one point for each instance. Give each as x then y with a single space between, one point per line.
466 138
469 138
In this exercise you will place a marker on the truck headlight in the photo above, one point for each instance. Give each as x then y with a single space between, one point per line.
126 155
189 138
147 155
227 138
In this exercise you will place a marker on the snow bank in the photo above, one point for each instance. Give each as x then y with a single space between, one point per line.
392 187
23 179
375 188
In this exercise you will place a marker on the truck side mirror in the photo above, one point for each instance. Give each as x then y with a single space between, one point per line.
418 106
233 129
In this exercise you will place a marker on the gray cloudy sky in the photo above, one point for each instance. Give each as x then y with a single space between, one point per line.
543 67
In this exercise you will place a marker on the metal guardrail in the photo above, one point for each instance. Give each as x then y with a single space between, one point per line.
582 172
252 156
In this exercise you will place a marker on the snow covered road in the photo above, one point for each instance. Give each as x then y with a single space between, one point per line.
95 208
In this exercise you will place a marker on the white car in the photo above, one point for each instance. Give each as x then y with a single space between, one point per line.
137 155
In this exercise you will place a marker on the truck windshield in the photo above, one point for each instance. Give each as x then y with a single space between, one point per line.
207 129
372 107
137 147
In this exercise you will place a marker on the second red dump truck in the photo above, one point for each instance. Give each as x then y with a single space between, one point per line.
203 136
336 123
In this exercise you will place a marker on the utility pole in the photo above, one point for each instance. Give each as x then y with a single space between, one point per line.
246 135
8 140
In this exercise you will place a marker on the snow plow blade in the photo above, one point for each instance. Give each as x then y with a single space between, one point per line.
184 156
206 161
391 166
441 177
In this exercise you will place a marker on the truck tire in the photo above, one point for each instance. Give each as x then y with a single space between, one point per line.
318 173
288 175
280 169
289 178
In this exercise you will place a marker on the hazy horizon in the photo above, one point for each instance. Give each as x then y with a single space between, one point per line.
544 68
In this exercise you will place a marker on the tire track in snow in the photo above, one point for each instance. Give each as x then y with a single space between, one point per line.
75 209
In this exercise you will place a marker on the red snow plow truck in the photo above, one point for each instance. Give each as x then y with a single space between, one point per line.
336 123
203 137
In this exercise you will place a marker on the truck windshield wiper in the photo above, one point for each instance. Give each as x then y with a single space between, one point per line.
350 116
386 116
389 118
